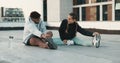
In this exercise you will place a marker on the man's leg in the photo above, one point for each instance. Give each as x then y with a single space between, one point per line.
37 42
79 41
50 41
57 41
49 34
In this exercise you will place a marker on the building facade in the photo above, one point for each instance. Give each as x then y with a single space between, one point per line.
27 7
97 10
97 14
90 13
86 10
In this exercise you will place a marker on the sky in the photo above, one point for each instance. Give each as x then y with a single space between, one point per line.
27 5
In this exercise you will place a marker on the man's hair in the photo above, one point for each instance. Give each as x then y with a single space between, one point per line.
35 15
73 15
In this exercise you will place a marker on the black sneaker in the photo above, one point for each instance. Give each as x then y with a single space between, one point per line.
51 44
96 41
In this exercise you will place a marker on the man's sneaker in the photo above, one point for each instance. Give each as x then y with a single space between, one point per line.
51 44
96 41
70 42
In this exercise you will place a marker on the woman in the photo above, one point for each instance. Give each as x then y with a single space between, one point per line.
69 27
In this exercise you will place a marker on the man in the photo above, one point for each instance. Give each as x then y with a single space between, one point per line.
69 27
35 31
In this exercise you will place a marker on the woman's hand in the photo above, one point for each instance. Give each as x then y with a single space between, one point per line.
96 33
65 41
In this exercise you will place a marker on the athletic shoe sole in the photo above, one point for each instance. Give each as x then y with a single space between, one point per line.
96 41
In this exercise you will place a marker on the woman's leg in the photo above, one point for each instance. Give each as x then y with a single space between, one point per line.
58 41
79 41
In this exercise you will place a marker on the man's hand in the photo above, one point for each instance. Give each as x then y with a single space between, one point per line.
43 36
96 33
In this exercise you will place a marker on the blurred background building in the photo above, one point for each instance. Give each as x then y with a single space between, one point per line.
97 14
12 15
97 10
86 10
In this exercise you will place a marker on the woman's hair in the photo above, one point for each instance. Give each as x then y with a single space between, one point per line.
73 15
35 15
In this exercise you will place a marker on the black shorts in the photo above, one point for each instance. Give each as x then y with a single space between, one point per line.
31 36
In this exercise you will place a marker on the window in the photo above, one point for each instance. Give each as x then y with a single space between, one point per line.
102 0
117 15
117 1
117 10
91 13
76 11
83 14
117 4
98 0
98 13
45 10
13 15
105 13
78 2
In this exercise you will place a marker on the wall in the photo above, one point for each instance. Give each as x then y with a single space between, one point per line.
53 10
109 25
58 9
65 8
109 12
0 15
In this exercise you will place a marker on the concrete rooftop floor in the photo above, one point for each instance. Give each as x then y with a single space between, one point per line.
17 52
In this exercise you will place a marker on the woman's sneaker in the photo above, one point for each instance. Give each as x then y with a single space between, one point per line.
70 42
96 41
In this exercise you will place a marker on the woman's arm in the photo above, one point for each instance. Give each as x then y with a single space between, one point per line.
84 32
62 29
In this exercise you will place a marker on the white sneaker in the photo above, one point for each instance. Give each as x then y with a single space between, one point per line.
70 42
96 41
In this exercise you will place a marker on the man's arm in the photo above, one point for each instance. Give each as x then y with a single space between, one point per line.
33 29
43 27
